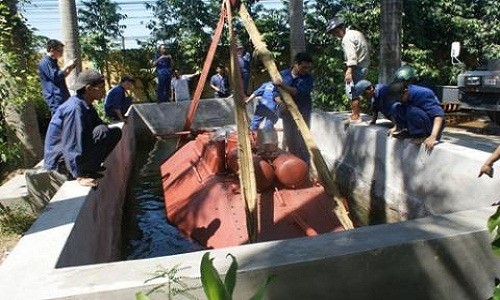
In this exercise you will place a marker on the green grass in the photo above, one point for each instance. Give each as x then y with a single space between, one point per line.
15 221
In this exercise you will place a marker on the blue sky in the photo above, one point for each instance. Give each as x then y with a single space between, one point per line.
44 16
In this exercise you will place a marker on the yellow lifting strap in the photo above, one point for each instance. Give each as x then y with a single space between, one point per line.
246 168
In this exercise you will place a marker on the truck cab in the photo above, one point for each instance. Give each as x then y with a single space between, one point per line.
478 89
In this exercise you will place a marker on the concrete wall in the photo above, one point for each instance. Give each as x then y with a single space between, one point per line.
391 180
96 234
65 253
168 118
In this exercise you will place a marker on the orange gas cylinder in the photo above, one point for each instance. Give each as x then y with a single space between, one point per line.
264 172
290 170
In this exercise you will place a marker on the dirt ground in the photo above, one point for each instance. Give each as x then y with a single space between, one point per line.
7 173
7 243
472 122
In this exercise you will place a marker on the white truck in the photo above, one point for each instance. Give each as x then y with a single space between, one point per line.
477 89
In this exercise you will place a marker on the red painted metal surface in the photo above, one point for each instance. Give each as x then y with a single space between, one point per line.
202 199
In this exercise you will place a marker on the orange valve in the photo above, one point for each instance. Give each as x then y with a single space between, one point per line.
290 170
264 173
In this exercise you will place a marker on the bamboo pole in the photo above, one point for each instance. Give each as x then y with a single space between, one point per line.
324 174
246 168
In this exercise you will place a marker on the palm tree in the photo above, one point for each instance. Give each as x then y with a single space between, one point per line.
390 39
69 34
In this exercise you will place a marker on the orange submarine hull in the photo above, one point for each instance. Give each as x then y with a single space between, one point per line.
202 195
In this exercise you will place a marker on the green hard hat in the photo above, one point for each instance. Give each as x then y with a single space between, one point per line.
405 73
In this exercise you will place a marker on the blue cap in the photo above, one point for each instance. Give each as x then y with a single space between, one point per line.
360 88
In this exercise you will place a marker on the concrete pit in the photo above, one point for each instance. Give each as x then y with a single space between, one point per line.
434 243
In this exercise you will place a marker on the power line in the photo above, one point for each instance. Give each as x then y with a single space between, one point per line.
43 15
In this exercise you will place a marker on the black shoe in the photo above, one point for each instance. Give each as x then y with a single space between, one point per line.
94 175
101 169
401 134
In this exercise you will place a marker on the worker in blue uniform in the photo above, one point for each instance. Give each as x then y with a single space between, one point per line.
117 102
244 59
164 65
299 84
77 140
267 107
419 114
379 97
220 83
52 78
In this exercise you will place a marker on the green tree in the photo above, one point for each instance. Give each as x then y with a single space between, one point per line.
19 88
186 26
429 28
100 29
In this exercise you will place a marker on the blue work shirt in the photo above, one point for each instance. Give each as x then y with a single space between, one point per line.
425 99
268 92
382 102
222 83
244 63
53 82
164 66
116 99
69 135
304 85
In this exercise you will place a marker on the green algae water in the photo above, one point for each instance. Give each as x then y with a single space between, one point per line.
146 231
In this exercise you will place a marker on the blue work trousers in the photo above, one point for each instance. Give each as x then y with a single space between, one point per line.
245 77
164 88
414 119
263 112
104 141
293 138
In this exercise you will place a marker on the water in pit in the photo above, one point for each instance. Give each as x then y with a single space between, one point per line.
146 231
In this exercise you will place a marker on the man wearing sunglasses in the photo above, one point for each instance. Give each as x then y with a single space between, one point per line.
53 78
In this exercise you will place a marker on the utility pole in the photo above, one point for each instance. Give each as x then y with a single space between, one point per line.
390 39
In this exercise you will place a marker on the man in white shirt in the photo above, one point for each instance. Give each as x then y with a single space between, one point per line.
180 86
357 59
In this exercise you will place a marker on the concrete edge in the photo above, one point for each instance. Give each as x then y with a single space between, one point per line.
262 259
